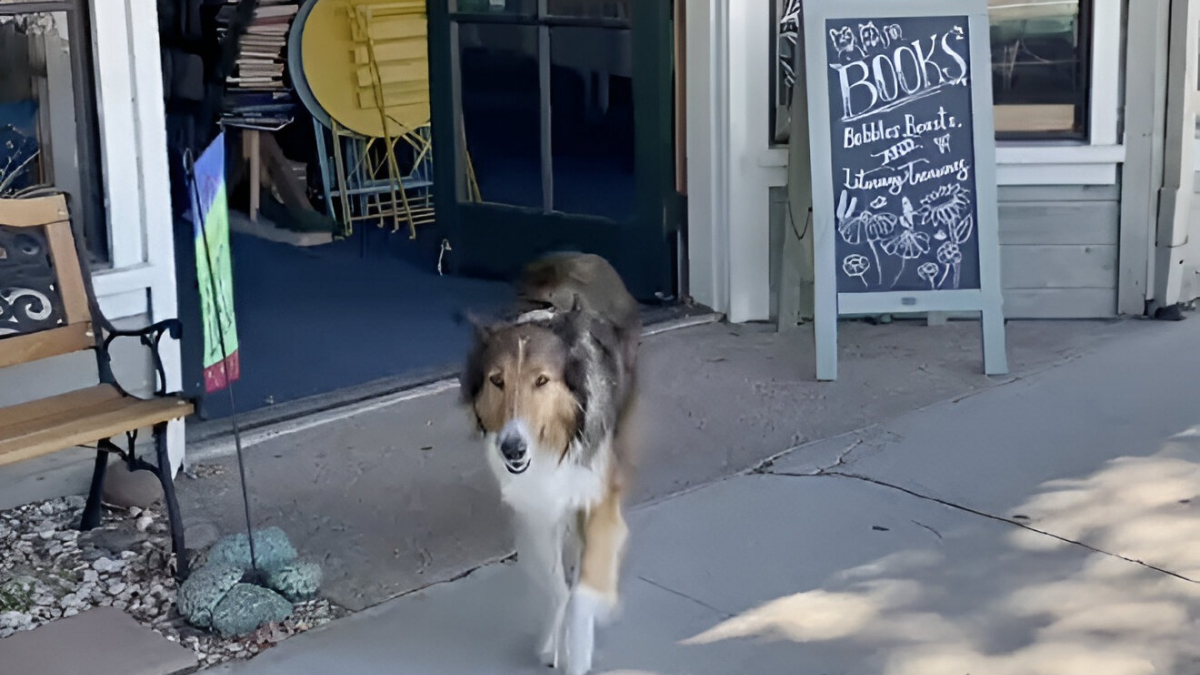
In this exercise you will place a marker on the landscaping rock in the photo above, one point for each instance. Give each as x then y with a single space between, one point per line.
126 488
17 594
246 607
49 570
201 535
114 539
200 594
271 547
296 581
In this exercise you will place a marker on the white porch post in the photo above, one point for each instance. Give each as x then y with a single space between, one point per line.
1175 199
707 99
133 143
1142 175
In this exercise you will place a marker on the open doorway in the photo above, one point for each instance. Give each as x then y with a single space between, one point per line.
356 212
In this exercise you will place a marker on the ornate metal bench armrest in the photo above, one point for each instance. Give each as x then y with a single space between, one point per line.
150 336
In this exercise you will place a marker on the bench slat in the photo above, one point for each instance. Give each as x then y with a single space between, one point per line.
66 268
48 407
45 344
33 212
74 427
61 416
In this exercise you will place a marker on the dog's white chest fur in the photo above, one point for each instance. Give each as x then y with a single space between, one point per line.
549 489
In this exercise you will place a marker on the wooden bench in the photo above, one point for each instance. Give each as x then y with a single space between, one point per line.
48 309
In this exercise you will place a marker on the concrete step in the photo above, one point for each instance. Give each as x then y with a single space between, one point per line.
100 641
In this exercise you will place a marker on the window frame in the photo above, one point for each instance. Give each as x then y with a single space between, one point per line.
88 208
1083 110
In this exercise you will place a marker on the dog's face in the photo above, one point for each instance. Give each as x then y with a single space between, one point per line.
519 382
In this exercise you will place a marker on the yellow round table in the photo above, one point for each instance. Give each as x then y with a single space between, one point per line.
336 42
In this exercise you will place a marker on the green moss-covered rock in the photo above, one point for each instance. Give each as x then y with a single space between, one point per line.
246 607
16 595
204 589
271 547
297 581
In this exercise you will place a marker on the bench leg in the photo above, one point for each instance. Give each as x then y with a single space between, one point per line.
168 486
91 512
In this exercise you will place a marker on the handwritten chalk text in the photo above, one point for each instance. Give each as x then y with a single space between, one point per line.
910 72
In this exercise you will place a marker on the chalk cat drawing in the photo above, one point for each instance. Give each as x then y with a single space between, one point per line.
870 37
843 41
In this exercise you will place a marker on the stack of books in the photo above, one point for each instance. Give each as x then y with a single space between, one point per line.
257 93
264 110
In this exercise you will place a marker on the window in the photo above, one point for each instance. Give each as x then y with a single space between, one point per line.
47 111
547 107
1040 67
1040 56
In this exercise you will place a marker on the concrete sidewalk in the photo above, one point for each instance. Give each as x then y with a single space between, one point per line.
396 498
1043 527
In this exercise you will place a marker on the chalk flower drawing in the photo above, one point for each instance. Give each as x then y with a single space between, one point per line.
944 206
950 252
960 232
908 244
849 225
929 272
874 227
880 226
950 255
856 265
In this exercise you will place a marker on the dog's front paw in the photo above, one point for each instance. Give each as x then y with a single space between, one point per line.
551 645
548 652
580 629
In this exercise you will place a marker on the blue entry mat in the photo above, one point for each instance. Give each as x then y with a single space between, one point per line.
317 319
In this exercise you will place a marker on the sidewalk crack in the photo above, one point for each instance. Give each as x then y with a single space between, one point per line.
990 516
766 467
935 532
724 614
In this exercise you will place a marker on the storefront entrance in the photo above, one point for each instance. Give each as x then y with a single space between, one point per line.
528 127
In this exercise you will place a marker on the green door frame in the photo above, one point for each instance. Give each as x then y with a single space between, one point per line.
496 240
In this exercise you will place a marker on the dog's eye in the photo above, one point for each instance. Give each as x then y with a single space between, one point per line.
497 381
541 381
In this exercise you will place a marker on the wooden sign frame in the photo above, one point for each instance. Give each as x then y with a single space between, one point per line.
829 303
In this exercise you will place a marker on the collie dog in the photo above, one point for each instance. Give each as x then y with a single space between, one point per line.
551 391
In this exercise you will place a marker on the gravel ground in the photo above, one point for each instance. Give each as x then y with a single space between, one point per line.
49 570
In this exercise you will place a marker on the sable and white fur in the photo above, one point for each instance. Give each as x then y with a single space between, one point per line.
551 393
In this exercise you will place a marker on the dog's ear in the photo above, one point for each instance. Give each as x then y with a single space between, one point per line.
470 380
482 330
575 376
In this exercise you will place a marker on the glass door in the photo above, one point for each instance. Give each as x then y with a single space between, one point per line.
552 126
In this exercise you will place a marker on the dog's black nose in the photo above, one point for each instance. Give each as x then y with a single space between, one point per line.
513 448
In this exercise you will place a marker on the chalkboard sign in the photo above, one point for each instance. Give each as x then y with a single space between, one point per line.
902 154
903 162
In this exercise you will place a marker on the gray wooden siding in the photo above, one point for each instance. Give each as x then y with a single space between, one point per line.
1058 250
